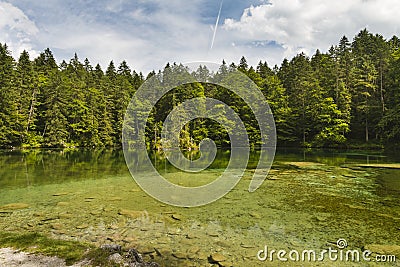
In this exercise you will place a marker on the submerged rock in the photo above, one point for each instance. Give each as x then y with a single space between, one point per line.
134 214
383 166
217 257
14 206
57 226
115 199
193 250
255 215
179 255
147 250
49 219
222 244
201 255
305 165
225 264
213 234
60 194
82 226
191 235
384 249
6 212
177 217
349 176
243 245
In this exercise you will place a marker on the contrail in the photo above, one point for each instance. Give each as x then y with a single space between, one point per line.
216 25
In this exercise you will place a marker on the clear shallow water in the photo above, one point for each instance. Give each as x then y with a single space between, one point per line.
89 196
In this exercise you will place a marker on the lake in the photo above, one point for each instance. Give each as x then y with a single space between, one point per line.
309 201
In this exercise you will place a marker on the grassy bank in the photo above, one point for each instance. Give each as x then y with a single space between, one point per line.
70 251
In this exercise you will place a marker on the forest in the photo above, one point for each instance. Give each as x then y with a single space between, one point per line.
346 97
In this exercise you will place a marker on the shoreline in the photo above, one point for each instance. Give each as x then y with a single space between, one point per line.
14 257
106 255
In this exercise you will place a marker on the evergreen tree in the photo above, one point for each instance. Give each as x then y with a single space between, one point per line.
364 90
10 119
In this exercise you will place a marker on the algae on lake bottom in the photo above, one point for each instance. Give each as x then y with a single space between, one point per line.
299 206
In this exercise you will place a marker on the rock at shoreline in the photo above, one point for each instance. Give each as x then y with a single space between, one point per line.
122 257
112 248
117 258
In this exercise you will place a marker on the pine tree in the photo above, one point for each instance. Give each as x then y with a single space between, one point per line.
10 119
364 89
27 85
243 66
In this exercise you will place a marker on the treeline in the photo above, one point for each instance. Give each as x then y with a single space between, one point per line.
73 104
349 95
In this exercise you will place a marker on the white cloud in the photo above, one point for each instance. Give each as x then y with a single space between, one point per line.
150 33
115 6
305 25
17 29
15 19
145 33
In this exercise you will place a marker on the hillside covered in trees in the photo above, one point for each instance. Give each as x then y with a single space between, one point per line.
349 95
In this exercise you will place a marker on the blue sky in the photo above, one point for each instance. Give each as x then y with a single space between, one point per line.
150 33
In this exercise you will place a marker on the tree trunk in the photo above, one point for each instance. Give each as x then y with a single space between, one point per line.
304 116
337 85
366 120
31 109
381 87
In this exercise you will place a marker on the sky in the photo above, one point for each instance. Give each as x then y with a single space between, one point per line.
150 33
